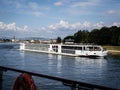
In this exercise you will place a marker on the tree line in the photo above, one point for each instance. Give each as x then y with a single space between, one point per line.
103 36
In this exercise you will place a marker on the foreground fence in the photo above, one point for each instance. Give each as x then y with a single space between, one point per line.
74 85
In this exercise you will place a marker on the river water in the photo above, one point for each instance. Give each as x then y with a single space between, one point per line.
100 71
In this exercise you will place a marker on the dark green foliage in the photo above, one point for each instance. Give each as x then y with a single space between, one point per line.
78 37
68 39
118 40
81 36
103 36
94 36
59 40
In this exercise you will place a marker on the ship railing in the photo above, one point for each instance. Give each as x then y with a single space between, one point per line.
70 51
33 46
73 84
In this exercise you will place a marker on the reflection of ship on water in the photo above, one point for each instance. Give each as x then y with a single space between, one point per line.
95 68
65 49
84 67
89 61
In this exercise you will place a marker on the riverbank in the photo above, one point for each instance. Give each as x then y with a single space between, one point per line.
115 50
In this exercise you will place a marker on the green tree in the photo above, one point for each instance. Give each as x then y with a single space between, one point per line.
103 36
119 40
84 37
68 38
58 39
94 36
78 36
115 33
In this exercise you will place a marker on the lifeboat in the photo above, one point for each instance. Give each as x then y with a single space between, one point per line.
24 82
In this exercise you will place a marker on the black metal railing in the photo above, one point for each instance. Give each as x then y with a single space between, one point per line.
75 85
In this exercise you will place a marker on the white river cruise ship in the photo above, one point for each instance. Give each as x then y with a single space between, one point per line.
65 49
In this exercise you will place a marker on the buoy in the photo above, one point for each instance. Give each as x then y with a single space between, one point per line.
24 82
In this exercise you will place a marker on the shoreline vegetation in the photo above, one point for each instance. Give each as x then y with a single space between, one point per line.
114 50
104 36
108 37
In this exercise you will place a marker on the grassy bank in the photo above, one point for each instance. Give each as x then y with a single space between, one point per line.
113 49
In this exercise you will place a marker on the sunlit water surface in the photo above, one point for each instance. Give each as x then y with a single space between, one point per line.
101 71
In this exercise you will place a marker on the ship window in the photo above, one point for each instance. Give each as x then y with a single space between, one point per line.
90 48
54 46
83 48
79 48
93 48
72 47
66 47
97 48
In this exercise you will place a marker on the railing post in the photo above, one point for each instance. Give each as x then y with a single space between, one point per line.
1 76
73 87
1 79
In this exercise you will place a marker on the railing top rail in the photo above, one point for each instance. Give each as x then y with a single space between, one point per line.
59 79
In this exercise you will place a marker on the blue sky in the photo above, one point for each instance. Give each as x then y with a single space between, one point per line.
53 18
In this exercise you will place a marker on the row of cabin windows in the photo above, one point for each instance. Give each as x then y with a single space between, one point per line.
71 47
54 46
77 48
81 48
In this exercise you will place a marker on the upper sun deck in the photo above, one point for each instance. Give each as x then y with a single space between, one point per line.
77 45
86 47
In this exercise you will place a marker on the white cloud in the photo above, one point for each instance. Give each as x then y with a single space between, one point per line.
111 12
12 26
37 13
86 3
25 28
86 24
33 5
62 28
83 7
98 25
65 26
2 26
18 5
61 25
52 27
34 9
116 24
30 8
58 3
